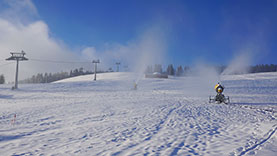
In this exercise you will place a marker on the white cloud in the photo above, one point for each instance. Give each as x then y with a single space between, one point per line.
19 11
35 41
18 32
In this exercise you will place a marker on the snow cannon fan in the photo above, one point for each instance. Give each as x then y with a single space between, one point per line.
219 98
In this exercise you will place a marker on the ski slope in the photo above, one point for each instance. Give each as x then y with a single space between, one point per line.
78 116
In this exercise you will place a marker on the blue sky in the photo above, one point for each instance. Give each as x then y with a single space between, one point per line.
137 33
212 31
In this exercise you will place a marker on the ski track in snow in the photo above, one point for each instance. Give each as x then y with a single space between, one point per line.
162 117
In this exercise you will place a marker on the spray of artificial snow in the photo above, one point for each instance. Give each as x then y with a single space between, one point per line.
150 49
201 80
239 65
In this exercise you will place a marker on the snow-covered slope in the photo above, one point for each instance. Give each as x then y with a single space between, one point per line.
254 76
79 116
101 76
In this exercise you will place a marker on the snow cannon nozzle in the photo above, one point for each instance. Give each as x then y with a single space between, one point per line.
219 88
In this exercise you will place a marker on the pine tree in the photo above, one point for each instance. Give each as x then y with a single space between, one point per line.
81 71
71 74
186 70
180 71
45 78
170 70
2 79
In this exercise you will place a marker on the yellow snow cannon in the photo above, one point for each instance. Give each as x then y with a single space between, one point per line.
219 98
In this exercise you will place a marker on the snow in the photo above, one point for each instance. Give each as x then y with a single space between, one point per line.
79 116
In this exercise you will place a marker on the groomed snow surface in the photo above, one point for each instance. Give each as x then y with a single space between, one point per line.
167 117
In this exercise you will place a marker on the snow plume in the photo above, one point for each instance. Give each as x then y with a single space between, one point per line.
150 50
147 49
201 80
240 64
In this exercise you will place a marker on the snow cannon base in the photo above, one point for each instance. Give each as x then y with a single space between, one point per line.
220 98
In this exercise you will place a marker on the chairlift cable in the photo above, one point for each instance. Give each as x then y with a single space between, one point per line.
2 65
55 61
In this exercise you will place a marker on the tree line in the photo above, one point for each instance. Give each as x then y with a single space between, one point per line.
185 70
170 70
180 71
263 68
51 77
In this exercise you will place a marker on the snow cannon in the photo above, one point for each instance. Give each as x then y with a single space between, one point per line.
219 98
135 86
